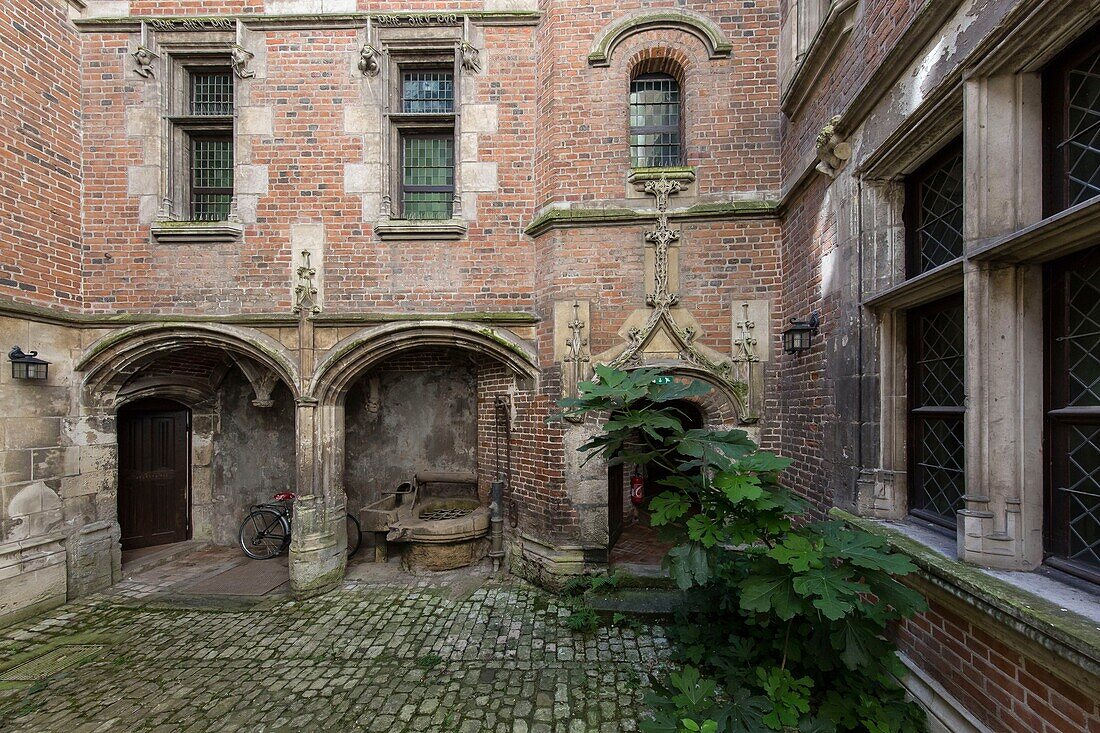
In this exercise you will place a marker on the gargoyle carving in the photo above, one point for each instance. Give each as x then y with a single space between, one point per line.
369 60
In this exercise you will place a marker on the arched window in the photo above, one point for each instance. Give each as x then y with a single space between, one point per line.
655 122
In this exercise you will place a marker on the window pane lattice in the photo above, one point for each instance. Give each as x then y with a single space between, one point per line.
212 94
940 229
655 122
1083 338
211 179
1083 495
937 400
428 177
427 92
1082 145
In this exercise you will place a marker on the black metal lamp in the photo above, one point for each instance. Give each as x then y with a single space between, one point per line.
27 366
799 335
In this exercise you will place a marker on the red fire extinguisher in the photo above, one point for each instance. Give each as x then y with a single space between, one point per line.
637 488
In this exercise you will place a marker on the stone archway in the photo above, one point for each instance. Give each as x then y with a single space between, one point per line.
316 562
186 363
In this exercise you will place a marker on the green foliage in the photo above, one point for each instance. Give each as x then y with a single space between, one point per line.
583 617
428 661
784 621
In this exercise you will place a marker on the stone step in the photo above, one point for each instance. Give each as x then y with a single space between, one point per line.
139 561
636 601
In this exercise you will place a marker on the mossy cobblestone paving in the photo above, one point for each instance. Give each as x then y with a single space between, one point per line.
368 657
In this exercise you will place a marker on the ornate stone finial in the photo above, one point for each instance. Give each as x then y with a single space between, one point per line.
745 342
471 58
662 238
576 356
369 62
832 149
239 58
144 58
305 294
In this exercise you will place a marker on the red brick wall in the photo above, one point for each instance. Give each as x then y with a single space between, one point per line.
730 105
806 408
39 154
1003 688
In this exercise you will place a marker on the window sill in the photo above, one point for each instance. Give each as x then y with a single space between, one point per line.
924 288
1059 616
1065 233
196 232
824 48
421 229
638 177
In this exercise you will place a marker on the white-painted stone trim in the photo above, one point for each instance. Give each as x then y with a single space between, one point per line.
945 713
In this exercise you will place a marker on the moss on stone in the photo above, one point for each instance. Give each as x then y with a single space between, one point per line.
1068 628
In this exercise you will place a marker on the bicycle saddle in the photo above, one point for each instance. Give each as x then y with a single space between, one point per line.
284 496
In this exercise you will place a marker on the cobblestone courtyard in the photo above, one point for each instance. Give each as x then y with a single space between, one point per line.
451 653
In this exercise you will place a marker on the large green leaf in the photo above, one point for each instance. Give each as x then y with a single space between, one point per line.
771 593
797 551
738 487
833 591
688 565
720 448
865 550
667 507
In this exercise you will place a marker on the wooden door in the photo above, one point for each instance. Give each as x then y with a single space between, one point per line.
153 472
614 504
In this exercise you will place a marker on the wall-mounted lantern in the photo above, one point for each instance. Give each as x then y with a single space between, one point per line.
27 366
799 335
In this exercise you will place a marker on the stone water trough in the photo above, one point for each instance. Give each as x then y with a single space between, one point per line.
437 520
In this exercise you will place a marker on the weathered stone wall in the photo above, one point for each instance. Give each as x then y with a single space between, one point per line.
419 415
253 458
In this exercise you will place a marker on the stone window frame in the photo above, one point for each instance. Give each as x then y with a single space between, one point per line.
438 48
912 208
182 53
811 35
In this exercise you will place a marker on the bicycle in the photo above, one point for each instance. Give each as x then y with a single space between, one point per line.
265 532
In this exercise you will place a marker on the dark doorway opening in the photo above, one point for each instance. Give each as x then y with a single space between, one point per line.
154 473
631 539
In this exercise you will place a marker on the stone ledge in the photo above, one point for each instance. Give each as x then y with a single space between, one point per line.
1065 233
924 288
575 217
302 21
196 232
1066 635
685 174
420 229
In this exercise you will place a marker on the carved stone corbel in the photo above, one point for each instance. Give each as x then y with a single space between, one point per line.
832 149
471 58
144 58
369 60
239 58
263 381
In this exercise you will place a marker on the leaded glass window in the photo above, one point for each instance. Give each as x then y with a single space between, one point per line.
428 184
936 406
1074 415
934 211
427 92
211 178
655 122
1073 125
212 93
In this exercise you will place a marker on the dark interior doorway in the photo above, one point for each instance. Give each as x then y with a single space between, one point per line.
153 473
630 538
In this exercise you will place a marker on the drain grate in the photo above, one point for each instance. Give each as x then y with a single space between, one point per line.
51 662
435 515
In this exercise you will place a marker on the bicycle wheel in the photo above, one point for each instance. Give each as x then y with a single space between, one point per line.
264 534
355 535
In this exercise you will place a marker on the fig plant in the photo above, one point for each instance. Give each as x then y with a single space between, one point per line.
784 620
